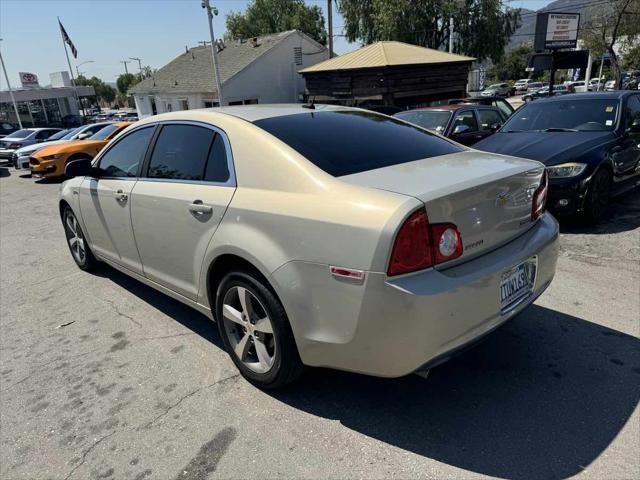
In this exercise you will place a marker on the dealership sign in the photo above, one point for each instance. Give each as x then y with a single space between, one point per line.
556 30
29 79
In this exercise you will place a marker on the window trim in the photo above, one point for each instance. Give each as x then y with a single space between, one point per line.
100 156
143 172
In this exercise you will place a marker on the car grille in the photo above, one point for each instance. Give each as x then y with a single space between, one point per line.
33 161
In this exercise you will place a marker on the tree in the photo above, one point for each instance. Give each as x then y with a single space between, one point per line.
482 27
271 16
126 81
103 91
614 24
513 65
631 60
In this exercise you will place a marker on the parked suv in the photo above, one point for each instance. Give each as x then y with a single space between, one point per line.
522 85
498 90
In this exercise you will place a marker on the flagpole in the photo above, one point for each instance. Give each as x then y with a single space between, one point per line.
73 80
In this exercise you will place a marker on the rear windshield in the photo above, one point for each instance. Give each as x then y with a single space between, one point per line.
347 142
105 132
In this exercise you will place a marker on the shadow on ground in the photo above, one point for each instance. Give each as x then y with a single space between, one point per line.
624 216
542 397
4 172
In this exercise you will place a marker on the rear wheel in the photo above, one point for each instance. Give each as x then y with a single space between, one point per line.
256 332
598 195
78 247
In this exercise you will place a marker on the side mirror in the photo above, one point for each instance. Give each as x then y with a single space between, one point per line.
495 127
80 168
635 126
82 136
461 129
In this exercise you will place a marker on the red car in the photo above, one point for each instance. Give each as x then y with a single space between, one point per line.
466 124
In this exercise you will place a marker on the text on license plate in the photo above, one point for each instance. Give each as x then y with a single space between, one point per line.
517 283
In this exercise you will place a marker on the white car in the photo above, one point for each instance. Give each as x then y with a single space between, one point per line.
523 84
317 235
610 86
20 157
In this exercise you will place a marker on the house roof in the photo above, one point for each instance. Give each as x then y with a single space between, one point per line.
385 54
192 71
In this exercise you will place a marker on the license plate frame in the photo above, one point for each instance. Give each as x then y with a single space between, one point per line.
517 284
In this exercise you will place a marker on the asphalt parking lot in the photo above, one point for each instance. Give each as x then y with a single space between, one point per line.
102 377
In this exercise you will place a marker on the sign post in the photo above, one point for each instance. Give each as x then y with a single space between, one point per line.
555 30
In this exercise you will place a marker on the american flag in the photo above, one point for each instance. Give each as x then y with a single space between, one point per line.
67 40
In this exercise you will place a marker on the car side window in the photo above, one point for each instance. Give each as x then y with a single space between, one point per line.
123 158
633 110
217 169
466 118
488 118
181 152
43 134
506 111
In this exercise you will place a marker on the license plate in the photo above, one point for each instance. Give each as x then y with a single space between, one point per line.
517 283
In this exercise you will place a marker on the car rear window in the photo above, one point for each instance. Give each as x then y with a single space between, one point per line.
347 142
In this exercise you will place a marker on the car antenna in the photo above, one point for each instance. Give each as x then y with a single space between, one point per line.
311 105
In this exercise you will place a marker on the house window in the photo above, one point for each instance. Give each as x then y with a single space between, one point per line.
248 101
210 103
297 55
183 103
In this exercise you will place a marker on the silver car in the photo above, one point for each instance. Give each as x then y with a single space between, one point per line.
22 138
317 235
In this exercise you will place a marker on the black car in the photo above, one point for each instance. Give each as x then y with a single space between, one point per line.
590 143
498 102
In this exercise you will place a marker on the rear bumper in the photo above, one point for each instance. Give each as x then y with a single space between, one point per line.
393 326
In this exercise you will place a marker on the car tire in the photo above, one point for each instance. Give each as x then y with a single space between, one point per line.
256 332
596 205
76 241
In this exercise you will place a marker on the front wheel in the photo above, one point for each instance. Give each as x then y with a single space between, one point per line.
256 332
597 200
78 247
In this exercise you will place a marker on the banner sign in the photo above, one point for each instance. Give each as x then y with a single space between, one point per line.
28 79
556 30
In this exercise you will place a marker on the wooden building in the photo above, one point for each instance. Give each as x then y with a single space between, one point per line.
388 73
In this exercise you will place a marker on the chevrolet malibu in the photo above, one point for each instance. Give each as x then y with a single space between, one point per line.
317 235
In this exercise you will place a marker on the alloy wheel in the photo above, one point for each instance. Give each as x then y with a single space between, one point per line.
75 238
249 329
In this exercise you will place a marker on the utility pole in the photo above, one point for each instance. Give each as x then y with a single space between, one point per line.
126 70
450 34
330 22
211 11
139 64
13 99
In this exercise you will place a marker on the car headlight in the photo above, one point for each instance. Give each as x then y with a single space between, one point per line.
53 157
565 170
15 145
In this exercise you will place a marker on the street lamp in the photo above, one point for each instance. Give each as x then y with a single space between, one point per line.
80 64
211 11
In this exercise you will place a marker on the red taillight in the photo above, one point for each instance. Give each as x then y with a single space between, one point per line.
540 197
419 245
412 248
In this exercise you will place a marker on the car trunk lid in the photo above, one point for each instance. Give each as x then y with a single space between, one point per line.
487 196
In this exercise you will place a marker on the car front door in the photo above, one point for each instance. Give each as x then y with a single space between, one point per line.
179 201
626 154
464 129
489 121
105 201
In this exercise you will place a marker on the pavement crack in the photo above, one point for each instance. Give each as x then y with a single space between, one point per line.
120 313
184 397
167 336
87 451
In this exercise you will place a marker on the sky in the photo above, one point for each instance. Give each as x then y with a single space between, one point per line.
109 31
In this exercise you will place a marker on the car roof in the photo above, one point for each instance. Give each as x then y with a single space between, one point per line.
618 94
453 107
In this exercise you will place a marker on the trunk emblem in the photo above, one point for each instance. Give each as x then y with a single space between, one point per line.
502 199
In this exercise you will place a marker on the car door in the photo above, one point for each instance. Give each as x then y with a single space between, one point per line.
626 154
489 120
464 129
105 201
179 201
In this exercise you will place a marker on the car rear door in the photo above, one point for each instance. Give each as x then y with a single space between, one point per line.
105 202
179 201
626 154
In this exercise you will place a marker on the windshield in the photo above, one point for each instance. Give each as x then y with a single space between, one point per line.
573 115
58 135
431 119
20 134
72 133
104 133
347 142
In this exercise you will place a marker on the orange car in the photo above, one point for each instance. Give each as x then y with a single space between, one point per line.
50 161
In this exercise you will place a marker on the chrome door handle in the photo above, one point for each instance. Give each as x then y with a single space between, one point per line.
199 208
121 196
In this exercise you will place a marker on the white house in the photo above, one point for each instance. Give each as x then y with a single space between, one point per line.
258 70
